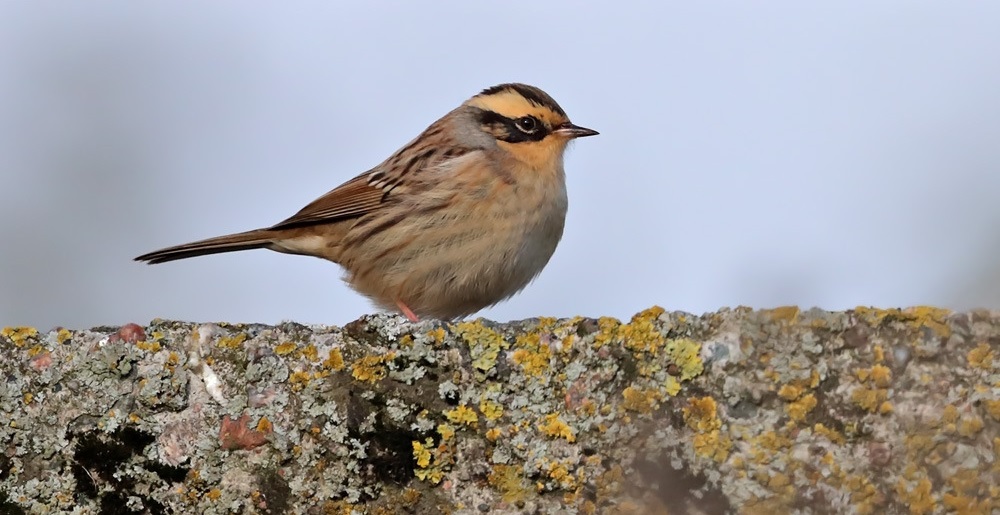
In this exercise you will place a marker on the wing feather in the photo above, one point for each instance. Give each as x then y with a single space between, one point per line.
368 191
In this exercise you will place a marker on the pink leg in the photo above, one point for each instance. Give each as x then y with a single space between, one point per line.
407 312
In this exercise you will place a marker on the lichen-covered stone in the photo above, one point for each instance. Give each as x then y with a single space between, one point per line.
779 411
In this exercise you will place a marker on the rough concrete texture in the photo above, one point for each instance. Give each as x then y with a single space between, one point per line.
776 411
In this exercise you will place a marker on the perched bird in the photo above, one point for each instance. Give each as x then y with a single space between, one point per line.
462 217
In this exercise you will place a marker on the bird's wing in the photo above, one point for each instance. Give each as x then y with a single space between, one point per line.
368 191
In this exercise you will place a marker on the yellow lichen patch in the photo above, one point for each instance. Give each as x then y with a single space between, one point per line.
869 399
438 335
422 452
231 342
285 348
607 330
446 431
790 392
768 445
494 434
709 441
490 409
993 409
36 350
830 434
798 410
918 498
264 425
63 335
432 462
532 354
556 428
641 400
19 335
686 355
873 400
463 415
671 386
712 445
149 346
560 473
949 418
510 482
981 357
310 353
484 344
918 317
787 314
881 376
964 504
640 335
371 368
334 361
970 425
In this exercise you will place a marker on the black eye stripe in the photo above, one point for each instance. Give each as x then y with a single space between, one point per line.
510 130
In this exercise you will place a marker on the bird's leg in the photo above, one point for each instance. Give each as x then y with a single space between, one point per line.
407 312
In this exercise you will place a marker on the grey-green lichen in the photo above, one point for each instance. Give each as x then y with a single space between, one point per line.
783 410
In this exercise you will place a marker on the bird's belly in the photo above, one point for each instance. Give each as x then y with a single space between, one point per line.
445 267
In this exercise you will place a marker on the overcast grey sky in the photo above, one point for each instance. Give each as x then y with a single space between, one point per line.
755 153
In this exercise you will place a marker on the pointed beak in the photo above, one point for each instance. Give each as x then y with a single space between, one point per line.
570 131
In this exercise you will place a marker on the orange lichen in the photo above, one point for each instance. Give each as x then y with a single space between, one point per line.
700 414
918 317
981 357
919 498
881 376
264 425
798 410
790 392
640 335
310 353
285 348
786 314
19 335
231 342
299 379
532 354
334 361
371 368
641 400
993 409
556 428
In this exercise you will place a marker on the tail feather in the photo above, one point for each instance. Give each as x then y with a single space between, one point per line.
256 239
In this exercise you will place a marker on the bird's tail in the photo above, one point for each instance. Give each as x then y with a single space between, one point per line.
256 239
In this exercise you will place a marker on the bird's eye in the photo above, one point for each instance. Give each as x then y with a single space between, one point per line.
527 124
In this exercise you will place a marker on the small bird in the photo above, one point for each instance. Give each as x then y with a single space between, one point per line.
462 217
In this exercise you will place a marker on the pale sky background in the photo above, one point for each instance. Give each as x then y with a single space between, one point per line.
751 153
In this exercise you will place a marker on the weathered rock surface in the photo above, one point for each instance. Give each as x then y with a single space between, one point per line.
775 411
